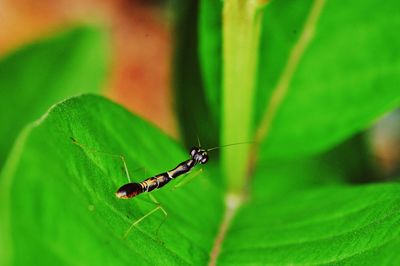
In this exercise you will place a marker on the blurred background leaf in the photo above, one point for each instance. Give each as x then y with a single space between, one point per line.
350 162
191 106
210 52
47 71
346 79
131 26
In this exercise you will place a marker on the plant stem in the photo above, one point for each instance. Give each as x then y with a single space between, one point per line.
241 34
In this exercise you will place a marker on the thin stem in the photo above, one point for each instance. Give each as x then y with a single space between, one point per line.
241 32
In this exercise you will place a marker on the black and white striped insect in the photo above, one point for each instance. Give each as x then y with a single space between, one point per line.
198 155
132 189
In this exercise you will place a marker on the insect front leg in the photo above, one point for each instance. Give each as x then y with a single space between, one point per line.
188 179
92 150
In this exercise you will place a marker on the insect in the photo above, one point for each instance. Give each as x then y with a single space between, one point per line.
130 190
198 155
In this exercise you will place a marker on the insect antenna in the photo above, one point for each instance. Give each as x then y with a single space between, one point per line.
232 144
198 140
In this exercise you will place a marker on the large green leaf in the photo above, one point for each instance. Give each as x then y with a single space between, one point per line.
345 78
58 206
338 226
46 71
65 194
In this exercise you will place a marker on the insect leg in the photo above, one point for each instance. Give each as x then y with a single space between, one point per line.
162 209
158 207
186 180
121 157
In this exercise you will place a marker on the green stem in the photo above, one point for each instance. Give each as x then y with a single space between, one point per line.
241 34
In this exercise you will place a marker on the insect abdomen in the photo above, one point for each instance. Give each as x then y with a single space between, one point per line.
129 190
155 182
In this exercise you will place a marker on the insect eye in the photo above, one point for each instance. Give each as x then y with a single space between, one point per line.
205 159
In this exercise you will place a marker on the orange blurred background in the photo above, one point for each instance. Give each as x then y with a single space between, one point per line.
141 46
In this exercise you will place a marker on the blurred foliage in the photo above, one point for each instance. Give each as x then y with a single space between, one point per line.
191 104
42 73
303 206
334 90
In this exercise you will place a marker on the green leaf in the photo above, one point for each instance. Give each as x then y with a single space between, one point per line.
282 25
192 109
57 202
46 71
58 206
210 52
345 79
353 225
57 199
